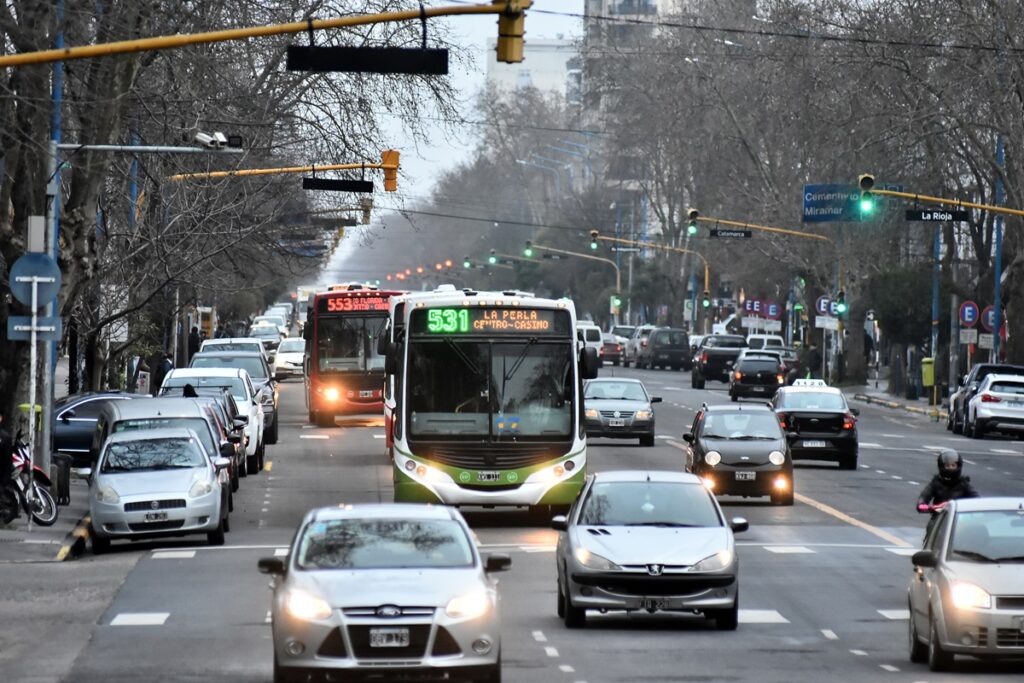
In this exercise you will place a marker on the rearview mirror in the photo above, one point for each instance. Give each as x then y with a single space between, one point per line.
271 565
227 450
855 412
655 399
688 438
241 420
66 416
560 523
738 525
498 562
589 363
234 438
221 464
85 473
923 558
279 377
383 344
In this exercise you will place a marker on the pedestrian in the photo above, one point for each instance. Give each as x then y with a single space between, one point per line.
165 366
221 332
813 359
194 342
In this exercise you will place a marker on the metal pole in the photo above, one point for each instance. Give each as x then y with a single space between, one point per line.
997 303
936 253
158 149
33 340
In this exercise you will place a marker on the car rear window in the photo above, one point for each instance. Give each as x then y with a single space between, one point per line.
251 364
758 365
670 338
1007 387
726 342
592 334
384 544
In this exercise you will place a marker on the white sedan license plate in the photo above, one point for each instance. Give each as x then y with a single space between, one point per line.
366 394
488 476
389 637
653 603
746 476
616 423
156 516
814 444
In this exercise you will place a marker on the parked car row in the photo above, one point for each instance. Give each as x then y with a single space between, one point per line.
990 398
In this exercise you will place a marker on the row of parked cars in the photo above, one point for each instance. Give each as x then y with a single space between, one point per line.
990 398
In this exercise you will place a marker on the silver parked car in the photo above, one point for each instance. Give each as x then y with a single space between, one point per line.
157 482
967 592
654 541
385 591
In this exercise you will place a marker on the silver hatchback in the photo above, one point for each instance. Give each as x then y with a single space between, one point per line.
385 591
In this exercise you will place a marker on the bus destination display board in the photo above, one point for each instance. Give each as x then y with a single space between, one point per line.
352 304
510 321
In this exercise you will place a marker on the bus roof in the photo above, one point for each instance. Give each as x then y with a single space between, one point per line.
469 297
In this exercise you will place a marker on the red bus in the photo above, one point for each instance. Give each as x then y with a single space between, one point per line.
344 372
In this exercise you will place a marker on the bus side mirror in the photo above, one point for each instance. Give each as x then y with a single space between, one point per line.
307 332
391 355
383 344
589 363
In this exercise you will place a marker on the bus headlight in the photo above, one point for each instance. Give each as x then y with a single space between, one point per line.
331 394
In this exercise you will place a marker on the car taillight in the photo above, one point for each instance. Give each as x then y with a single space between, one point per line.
618 347
781 378
783 419
849 422
643 342
738 374
704 357
989 398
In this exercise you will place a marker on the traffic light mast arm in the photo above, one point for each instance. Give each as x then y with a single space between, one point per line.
280 170
950 202
764 228
663 247
589 257
509 8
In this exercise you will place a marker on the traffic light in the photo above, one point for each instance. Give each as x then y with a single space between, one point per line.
614 304
706 300
366 206
593 239
389 159
466 263
866 204
691 221
841 306
511 27
493 258
798 306
528 250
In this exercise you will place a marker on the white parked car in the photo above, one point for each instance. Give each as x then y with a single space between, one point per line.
290 358
765 341
234 344
998 406
247 400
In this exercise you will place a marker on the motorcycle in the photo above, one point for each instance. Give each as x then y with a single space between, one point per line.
43 508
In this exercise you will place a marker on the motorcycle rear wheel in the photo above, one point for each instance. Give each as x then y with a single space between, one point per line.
44 509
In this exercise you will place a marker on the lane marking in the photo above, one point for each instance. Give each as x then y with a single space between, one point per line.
789 549
934 448
280 552
664 436
895 614
879 471
378 436
893 436
550 651
537 548
140 619
853 521
970 462
539 636
174 554
869 444
269 466
314 436
913 483
266 619
1004 451
859 653
761 616
896 476
565 668
829 634
865 467
905 552
890 668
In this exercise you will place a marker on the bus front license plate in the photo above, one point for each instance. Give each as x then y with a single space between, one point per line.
366 394
389 637
488 476
746 476
653 603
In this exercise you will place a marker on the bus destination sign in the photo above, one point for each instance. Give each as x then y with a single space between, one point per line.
511 321
346 303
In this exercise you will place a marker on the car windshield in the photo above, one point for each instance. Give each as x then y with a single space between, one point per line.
725 342
1007 388
384 544
265 332
623 331
152 454
811 400
292 346
741 425
233 384
505 390
196 424
648 503
349 343
615 391
231 346
988 536
251 364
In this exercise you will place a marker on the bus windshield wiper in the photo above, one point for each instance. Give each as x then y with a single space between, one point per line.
518 361
463 357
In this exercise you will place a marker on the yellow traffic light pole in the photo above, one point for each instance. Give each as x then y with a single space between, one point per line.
510 33
662 247
590 257
389 164
763 228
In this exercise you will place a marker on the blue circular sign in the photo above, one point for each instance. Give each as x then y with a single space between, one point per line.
35 265
969 314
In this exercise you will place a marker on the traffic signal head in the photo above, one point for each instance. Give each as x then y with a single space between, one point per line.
866 183
691 221
511 27
389 160
841 306
706 299
528 250
466 263
493 258
593 239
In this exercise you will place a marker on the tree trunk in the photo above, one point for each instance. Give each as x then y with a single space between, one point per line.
896 371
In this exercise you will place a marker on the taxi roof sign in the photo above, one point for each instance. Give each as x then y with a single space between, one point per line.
810 383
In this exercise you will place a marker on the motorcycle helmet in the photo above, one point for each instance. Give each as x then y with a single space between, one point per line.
950 464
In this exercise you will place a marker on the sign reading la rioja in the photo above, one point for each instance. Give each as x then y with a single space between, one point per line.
937 215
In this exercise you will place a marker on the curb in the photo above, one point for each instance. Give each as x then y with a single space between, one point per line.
897 406
75 541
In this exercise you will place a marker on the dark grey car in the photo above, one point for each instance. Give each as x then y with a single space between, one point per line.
619 409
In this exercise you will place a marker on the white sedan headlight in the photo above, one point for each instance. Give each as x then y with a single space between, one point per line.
713 458
200 488
469 606
776 457
106 494
302 605
966 595
714 563
594 561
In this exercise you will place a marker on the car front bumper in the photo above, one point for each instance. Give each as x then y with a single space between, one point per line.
837 446
628 590
983 632
199 515
763 484
632 430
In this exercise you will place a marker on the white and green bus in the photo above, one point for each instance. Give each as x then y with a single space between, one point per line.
487 390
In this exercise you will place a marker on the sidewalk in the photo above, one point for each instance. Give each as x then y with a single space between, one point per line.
869 394
47 544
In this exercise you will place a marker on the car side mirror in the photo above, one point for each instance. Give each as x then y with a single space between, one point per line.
589 363
307 332
655 399
221 464
227 449
855 412
85 473
923 558
241 420
383 345
66 416
271 565
560 523
738 525
497 562
688 437
278 377
234 438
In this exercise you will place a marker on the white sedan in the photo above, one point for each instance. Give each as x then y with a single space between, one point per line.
291 356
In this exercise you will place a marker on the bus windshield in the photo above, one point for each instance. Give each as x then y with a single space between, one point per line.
498 390
348 343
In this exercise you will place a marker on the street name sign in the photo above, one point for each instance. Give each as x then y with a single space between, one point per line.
839 202
937 215
19 328
731 233
985 341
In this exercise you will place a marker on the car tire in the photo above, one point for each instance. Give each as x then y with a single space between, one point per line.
234 481
561 601
978 430
100 544
493 674
701 383
242 467
216 537
693 380
785 498
647 440
252 463
312 417
849 462
958 425
573 617
226 522
324 420
261 455
734 397
918 650
726 619
271 434
615 363
938 658
625 362
676 368
231 503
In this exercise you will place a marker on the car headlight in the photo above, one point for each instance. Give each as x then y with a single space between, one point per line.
776 457
644 414
331 394
200 488
469 606
594 561
592 413
718 561
306 607
966 595
713 458
105 494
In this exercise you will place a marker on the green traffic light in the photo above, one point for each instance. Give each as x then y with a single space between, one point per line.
492 259
691 229
467 264
528 253
840 307
593 245
867 205
798 307
706 303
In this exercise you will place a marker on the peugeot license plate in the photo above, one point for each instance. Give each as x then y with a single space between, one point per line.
488 476
366 393
746 476
813 444
389 637
616 423
156 516
653 603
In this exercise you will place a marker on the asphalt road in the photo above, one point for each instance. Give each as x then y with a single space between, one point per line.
823 592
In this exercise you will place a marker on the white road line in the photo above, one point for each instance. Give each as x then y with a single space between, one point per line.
1004 451
266 619
540 637
879 471
140 619
789 549
906 552
868 444
913 483
664 436
896 476
537 548
174 554
378 436
890 668
265 510
314 436
895 614
565 668
859 653
970 462
309 426
935 448
865 467
893 436
671 389
550 651
761 616
829 634
989 469
280 552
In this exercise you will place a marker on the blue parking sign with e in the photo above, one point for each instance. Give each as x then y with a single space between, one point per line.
823 305
968 314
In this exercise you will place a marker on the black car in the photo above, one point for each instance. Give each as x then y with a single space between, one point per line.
715 357
667 347
259 371
969 387
741 450
756 374
74 421
819 422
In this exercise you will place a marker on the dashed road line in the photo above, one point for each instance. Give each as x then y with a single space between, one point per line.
970 462
896 476
267 619
829 634
905 552
550 651
378 436
140 619
865 467
913 483
280 552
893 436
869 444
890 668
314 436
934 448
879 471
269 466
539 636
174 554
895 614
761 616
859 653
565 668
789 549
1004 451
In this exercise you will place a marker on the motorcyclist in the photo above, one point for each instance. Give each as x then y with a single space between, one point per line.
949 484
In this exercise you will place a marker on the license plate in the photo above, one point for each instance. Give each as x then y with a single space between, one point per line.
366 394
389 637
616 423
746 476
653 603
813 444
156 516
759 389
488 476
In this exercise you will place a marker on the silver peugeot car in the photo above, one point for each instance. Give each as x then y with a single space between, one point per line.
967 591
654 541
382 591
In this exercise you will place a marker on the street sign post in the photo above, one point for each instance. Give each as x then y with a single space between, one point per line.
730 233
968 314
985 341
937 215
968 336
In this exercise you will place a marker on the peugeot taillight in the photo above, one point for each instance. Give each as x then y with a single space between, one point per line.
849 422
781 379
783 419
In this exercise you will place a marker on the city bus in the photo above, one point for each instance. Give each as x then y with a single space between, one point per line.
488 406
344 372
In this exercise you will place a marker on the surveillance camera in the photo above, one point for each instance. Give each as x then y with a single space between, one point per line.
204 140
220 140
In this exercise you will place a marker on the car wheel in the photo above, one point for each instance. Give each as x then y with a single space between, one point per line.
978 430
271 435
733 397
561 601
958 425
726 619
234 480
216 537
261 456
493 674
324 419
231 503
226 522
242 467
615 363
574 617
647 440
701 383
849 462
312 417
252 463
938 659
693 380
949 421
625 362
100 544
785 498
918 650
